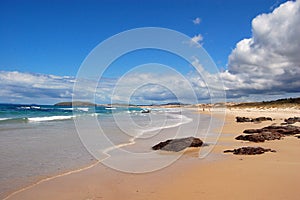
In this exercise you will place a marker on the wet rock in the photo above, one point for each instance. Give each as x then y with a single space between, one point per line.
249 151
292 120
178 144
258 119
145 111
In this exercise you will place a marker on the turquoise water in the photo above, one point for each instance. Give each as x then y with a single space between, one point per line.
39 141
14 113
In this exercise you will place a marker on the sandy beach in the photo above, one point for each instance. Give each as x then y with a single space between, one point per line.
149 100
219 176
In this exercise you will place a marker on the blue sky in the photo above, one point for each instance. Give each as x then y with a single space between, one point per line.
54 37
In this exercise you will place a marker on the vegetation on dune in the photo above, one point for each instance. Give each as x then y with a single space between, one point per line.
288 102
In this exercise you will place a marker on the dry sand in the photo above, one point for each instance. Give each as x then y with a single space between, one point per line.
266 176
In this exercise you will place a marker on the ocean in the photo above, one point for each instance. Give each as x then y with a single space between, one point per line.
40 141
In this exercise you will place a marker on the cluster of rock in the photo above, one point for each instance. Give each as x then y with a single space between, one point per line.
253 135
247 119
249 151
178 144
268 133
292 120
263 134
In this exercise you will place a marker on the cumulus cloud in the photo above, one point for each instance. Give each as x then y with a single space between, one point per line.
20 87
134 87
269 61
197 20
171 86
23 87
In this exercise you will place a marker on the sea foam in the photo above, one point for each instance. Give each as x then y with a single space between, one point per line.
52 118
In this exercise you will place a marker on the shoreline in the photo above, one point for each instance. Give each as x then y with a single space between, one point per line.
189 177
50 178
40 180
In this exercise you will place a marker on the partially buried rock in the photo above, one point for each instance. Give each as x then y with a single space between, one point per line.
292 120
268 133
258 119
285 130
243 119
178 144
249 151
260 137
261 119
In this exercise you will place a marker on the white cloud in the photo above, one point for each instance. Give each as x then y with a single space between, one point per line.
197 20
138 87
34 80
196 40
134 87
269 61
28 87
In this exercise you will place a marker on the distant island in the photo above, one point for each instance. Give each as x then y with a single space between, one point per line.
75 103
85 103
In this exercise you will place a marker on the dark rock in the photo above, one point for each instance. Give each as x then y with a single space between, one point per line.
260 137
145 111
297 136
258 119
249 151
178 144
292 120
251 138
271 136
251 131
269 133
285 130
243 119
